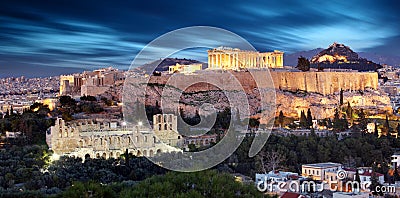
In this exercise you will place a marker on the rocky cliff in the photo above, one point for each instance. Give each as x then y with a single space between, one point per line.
293 92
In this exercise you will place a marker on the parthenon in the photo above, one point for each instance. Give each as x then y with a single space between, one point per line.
234 58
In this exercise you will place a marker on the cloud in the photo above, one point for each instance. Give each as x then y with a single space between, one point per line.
92 33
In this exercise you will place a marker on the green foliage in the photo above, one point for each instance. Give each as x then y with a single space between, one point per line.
88 98
309 118
32 125
303 120
88 189
340 124
281 118
196 184
303 64
67 101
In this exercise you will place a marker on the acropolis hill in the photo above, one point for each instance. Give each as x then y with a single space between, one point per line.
295 90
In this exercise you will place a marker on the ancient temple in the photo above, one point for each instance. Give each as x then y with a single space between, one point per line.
235 59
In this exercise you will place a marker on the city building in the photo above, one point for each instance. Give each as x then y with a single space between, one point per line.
185 69
235 59
319 171
90 83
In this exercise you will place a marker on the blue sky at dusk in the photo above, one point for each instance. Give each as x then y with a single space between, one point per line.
90 34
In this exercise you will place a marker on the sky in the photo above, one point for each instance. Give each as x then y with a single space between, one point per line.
92 34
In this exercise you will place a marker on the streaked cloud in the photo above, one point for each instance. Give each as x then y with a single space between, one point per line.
99 34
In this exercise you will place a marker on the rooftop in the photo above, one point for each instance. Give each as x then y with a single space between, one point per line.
323 165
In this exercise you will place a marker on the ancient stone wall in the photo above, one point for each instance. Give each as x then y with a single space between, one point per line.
317 82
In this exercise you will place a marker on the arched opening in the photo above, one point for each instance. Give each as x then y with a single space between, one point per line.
111 155
118 155
104 155
158 151
144 153
139 154
87 156
97 155
151 153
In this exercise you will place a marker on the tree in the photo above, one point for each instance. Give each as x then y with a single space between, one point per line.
357 177
387 125
341 97
303 64
398 129
358 180
270 160
374 184
303 120
376 133
309 118
319 68
281 118
396 175
362 121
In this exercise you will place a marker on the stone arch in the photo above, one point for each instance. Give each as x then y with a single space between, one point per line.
87 156
104 156
110 140
144 152
154 139
97 155
118 155
151 153
139 154
158 151
111 155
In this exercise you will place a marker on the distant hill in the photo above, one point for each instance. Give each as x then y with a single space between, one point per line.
291 59
340 56
163 64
